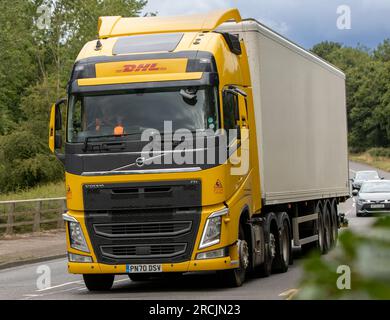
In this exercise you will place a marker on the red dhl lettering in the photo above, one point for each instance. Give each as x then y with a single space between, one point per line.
140 67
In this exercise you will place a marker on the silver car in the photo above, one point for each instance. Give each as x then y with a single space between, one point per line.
362 176
373 198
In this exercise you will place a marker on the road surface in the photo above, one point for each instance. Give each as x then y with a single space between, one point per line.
21 282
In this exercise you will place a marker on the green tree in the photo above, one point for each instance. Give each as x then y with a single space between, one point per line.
17 69
368 91
36 66
382 53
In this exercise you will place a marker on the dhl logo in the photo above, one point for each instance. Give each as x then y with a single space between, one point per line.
141 67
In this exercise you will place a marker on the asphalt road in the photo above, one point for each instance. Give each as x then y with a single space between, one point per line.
21 282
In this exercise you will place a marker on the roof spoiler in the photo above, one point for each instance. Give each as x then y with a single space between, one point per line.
116 26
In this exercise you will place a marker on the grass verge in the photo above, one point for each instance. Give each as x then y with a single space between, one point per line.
382 163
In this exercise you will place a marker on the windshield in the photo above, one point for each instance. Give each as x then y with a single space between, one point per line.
367 176
132 113
376 187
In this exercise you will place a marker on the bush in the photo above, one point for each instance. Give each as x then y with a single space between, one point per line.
26 162
379 152
367 255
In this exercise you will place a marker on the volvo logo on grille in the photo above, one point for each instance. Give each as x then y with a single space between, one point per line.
140 162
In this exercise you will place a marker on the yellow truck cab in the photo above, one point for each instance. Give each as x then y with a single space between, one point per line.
156 181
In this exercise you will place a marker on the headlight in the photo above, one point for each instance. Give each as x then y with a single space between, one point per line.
76 236
362 201
79 258
220 253
212 230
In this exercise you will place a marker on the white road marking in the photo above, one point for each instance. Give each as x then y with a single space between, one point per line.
289 294
121 280
59 286
63 285
49 294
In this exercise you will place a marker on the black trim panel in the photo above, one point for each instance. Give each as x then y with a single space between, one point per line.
208 79
165 202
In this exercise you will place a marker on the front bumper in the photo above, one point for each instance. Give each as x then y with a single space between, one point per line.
183 267
366 210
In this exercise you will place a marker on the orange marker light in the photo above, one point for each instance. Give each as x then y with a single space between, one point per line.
119 131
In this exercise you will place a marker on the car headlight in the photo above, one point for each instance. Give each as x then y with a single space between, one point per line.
76 236
212 230
362 201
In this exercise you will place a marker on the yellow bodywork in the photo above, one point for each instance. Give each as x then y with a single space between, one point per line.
118 26
238 192
52 129
140 79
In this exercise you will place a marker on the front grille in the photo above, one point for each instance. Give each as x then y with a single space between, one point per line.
143 223
144 251
150 229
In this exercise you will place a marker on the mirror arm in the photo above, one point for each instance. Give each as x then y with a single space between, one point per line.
61 157
61 101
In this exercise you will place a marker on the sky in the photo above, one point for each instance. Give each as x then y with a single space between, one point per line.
306 22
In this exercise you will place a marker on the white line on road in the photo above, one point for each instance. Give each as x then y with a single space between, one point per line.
58 286
121 280
289 294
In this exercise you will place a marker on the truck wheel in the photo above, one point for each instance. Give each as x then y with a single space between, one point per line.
139 277
265 269
327 230
283 245
99 282
335 224
236 277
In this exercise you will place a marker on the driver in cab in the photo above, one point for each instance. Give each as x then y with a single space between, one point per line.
108 123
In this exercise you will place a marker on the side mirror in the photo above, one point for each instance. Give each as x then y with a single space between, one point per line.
355 192
58 141
55 128
382 178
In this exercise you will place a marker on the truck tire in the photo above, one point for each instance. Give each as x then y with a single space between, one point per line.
335 223
327 230
283 244
265 269
236 277
98 282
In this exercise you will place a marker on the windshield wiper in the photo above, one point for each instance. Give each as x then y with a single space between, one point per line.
115 144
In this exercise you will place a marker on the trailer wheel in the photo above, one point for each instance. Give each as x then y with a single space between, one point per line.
335 224
327 230
98 282
283 244
236 277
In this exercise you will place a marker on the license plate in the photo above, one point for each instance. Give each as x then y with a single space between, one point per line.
143 268
377 206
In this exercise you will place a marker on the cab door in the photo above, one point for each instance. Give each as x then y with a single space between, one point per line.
235 116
